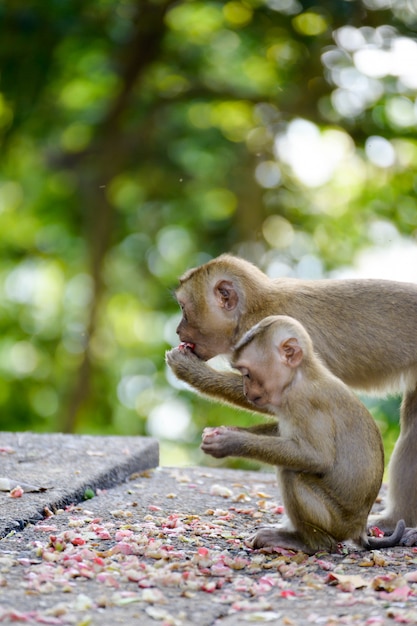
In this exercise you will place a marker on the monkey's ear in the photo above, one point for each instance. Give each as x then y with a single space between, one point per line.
291 352
226 295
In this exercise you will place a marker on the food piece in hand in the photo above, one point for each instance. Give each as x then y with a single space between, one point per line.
209 431
186 344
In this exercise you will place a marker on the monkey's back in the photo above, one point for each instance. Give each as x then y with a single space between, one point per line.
364 330
338 501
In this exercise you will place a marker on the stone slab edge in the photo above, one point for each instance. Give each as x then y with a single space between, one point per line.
71 473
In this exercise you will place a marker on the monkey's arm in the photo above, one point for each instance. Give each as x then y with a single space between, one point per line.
271 429
289 453
224 386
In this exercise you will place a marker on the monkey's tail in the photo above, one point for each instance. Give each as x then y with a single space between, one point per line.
375 543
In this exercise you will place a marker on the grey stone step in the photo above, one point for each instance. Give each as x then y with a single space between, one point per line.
66 468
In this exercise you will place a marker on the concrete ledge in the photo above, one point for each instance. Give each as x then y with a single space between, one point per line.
65 466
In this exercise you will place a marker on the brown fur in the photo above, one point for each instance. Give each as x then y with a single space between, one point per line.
327 448
365 332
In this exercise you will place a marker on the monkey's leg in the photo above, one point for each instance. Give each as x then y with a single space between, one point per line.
402 498
308 517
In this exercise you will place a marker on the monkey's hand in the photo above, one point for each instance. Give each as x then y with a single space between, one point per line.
187 366
221 441
220 385
181 359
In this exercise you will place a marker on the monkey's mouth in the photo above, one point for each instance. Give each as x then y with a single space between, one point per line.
186 345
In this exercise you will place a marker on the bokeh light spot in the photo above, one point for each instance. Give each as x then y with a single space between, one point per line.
237 14
278 231
219 204
309 23
268 174
380 151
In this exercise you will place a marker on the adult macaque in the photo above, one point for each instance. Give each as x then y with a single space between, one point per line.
364 330
326 446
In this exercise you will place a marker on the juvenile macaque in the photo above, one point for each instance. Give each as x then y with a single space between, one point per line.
365 332
326 445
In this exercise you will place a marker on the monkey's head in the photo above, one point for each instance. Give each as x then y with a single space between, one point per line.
269 356
213 298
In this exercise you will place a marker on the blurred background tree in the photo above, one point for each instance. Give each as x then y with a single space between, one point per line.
142 137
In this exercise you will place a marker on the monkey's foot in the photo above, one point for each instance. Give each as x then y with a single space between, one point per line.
409 537
277 538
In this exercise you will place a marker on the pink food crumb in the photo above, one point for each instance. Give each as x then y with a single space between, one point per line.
186 344
17 492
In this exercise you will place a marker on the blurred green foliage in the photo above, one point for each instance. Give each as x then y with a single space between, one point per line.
142 137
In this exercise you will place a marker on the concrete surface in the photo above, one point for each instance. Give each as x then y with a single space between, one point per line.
65 467
167 546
